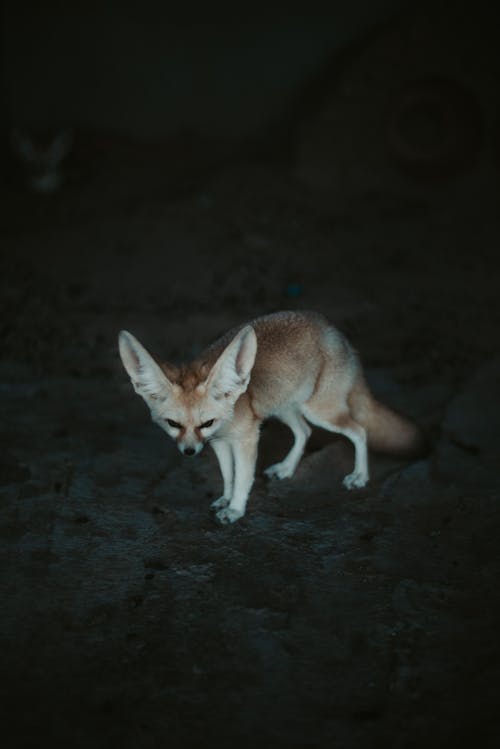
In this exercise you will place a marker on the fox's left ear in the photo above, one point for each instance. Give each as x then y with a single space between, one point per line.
230 374
148 379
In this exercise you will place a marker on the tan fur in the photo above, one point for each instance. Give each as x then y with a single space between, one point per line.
387 431
294 366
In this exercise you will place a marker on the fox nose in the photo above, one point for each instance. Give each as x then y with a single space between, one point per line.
189 451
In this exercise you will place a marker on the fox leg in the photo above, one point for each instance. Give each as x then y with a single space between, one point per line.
344 424
245 456
301 431
224 454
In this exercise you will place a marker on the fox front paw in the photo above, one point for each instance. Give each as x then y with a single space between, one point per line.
227 515
279 471
219 503
355 480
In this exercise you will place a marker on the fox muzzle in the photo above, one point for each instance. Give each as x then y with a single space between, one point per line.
190 450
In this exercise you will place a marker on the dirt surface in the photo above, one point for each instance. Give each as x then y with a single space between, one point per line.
324 618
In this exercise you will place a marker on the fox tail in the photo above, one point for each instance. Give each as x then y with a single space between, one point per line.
387 431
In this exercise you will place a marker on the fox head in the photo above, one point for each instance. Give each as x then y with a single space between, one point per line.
191 410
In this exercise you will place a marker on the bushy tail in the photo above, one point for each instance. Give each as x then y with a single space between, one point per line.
387 431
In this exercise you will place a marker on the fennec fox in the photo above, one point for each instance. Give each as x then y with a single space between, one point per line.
294 366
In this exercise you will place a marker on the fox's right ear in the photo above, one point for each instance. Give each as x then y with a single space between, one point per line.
148 379
230 375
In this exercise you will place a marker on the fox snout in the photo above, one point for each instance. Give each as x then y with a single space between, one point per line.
190 449
190 441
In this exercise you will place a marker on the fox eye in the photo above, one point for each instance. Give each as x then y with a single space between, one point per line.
173 424
207 424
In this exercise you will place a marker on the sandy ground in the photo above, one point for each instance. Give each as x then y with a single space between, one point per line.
324 618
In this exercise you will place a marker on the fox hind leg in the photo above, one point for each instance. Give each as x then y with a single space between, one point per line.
343 423
301 431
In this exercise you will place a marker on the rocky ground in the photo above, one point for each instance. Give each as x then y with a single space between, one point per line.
324 618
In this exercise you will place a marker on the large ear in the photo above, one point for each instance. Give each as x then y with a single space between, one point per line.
230 375
147 377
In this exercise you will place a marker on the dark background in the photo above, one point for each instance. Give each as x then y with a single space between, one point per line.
176 171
